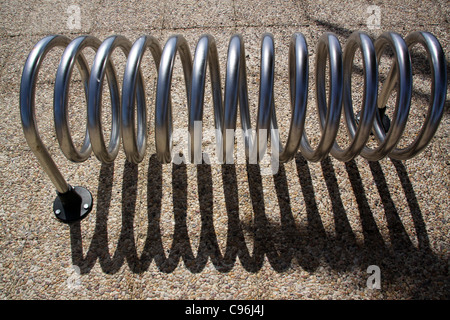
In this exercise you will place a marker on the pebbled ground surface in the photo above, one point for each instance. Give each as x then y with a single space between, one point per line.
210 231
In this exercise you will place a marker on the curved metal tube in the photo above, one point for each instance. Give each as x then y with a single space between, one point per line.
27 108
359 134
72 55
99 69
235 93
438 68
205 54
329 116
135 146
163 111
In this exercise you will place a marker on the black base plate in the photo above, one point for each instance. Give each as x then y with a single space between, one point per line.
74 205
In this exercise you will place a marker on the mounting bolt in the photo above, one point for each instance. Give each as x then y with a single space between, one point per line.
86 206
57 211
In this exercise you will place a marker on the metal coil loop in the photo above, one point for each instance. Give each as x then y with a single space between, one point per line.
235 95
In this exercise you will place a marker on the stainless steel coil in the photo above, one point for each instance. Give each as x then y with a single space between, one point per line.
133 98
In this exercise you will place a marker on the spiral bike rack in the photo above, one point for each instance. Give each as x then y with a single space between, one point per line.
74 203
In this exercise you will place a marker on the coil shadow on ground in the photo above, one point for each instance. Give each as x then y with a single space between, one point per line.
309 244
